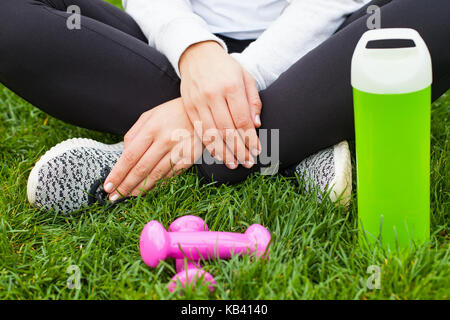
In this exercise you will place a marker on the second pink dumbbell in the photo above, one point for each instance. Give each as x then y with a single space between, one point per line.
156 244
188 272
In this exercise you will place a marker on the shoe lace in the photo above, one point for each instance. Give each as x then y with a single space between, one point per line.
97 193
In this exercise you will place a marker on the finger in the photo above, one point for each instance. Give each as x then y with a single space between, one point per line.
253 98
174 170
158 172
193 116
178 168
132 132
233 147
210 133
207 140
212 138
130 156
141 171
238 149
240 111
187 150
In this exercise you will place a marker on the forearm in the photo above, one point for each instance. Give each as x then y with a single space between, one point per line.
303 25
170 26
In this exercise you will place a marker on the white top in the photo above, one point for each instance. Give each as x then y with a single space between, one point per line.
283 36
245 19
392 70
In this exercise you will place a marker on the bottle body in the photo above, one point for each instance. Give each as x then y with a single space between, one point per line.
392 105
393 166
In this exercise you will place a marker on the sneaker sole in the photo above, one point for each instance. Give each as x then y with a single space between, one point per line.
56 151
342 183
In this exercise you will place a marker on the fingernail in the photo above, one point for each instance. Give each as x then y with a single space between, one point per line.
248 164
109 187
255 152
114 197
257 120
232 165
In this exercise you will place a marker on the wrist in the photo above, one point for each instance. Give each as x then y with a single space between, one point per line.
195 50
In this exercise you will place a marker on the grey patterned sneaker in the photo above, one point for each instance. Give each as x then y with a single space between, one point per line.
329 170
68 176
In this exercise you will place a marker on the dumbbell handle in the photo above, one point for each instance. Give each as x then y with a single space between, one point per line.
208 244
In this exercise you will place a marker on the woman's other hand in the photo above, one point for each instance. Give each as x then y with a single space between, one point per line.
161 143
223 99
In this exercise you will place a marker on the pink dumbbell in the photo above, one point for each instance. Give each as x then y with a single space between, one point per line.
189 272
156 244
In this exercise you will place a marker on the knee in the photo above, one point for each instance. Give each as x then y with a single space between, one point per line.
6 19
9 11
11 24
18 22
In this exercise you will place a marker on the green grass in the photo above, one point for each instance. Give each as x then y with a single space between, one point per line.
314 255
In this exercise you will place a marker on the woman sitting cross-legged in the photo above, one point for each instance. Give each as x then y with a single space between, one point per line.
256 86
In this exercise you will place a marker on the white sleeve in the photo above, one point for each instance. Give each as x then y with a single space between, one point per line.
303 25
170 26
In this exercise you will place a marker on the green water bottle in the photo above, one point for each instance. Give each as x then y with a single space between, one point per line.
392 104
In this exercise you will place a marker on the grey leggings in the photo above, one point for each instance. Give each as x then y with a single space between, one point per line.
105 75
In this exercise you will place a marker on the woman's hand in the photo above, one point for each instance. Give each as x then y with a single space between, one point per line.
221 96
161 143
